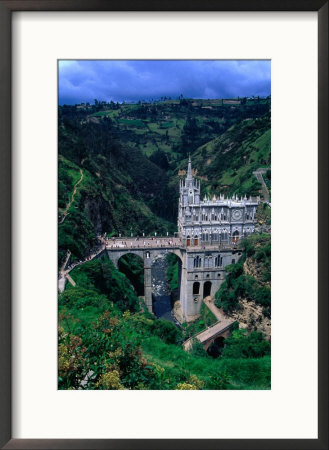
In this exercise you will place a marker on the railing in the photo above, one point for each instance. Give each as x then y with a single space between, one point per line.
143 243
235 244
169 242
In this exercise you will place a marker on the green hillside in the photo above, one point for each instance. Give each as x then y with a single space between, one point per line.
119 167
226 163
130 155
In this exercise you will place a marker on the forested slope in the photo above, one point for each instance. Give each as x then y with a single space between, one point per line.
132 157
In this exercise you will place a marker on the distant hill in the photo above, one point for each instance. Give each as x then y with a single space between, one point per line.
226 163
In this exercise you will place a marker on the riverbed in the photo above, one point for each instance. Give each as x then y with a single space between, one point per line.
161 291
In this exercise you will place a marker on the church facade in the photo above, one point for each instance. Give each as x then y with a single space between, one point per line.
212 221
209 231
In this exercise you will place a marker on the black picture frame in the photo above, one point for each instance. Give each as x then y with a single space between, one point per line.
6 235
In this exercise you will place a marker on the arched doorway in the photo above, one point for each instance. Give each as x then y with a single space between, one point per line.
207 289
188 241
235 236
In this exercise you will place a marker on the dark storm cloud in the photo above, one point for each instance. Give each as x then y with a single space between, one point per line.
84 81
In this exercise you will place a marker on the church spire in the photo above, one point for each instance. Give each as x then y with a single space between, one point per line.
189 169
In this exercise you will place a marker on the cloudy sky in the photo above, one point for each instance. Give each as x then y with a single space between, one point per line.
84 81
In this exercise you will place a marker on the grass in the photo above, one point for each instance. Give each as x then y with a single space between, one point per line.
73 175
227 178
136 123
155 128
112 113
166 125
242 373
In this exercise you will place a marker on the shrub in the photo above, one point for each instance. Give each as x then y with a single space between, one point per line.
241 345
167 331
197 349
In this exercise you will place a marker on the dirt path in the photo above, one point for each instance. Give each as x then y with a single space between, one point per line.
72 198
259 175
217 312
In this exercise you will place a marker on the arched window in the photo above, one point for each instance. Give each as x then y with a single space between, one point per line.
188 241
147 254
196 240
197 261
196 288
217 261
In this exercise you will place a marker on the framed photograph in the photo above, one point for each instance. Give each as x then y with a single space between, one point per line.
164 242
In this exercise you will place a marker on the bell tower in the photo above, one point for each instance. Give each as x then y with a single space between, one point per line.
189 188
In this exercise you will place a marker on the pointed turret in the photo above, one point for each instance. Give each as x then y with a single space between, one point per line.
190 189
189 169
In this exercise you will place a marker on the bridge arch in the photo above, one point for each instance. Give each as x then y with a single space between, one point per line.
166 273
216 347
153 254
147 254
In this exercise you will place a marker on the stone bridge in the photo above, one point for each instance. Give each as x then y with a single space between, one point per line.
201 268
221 329
208 336
147 249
